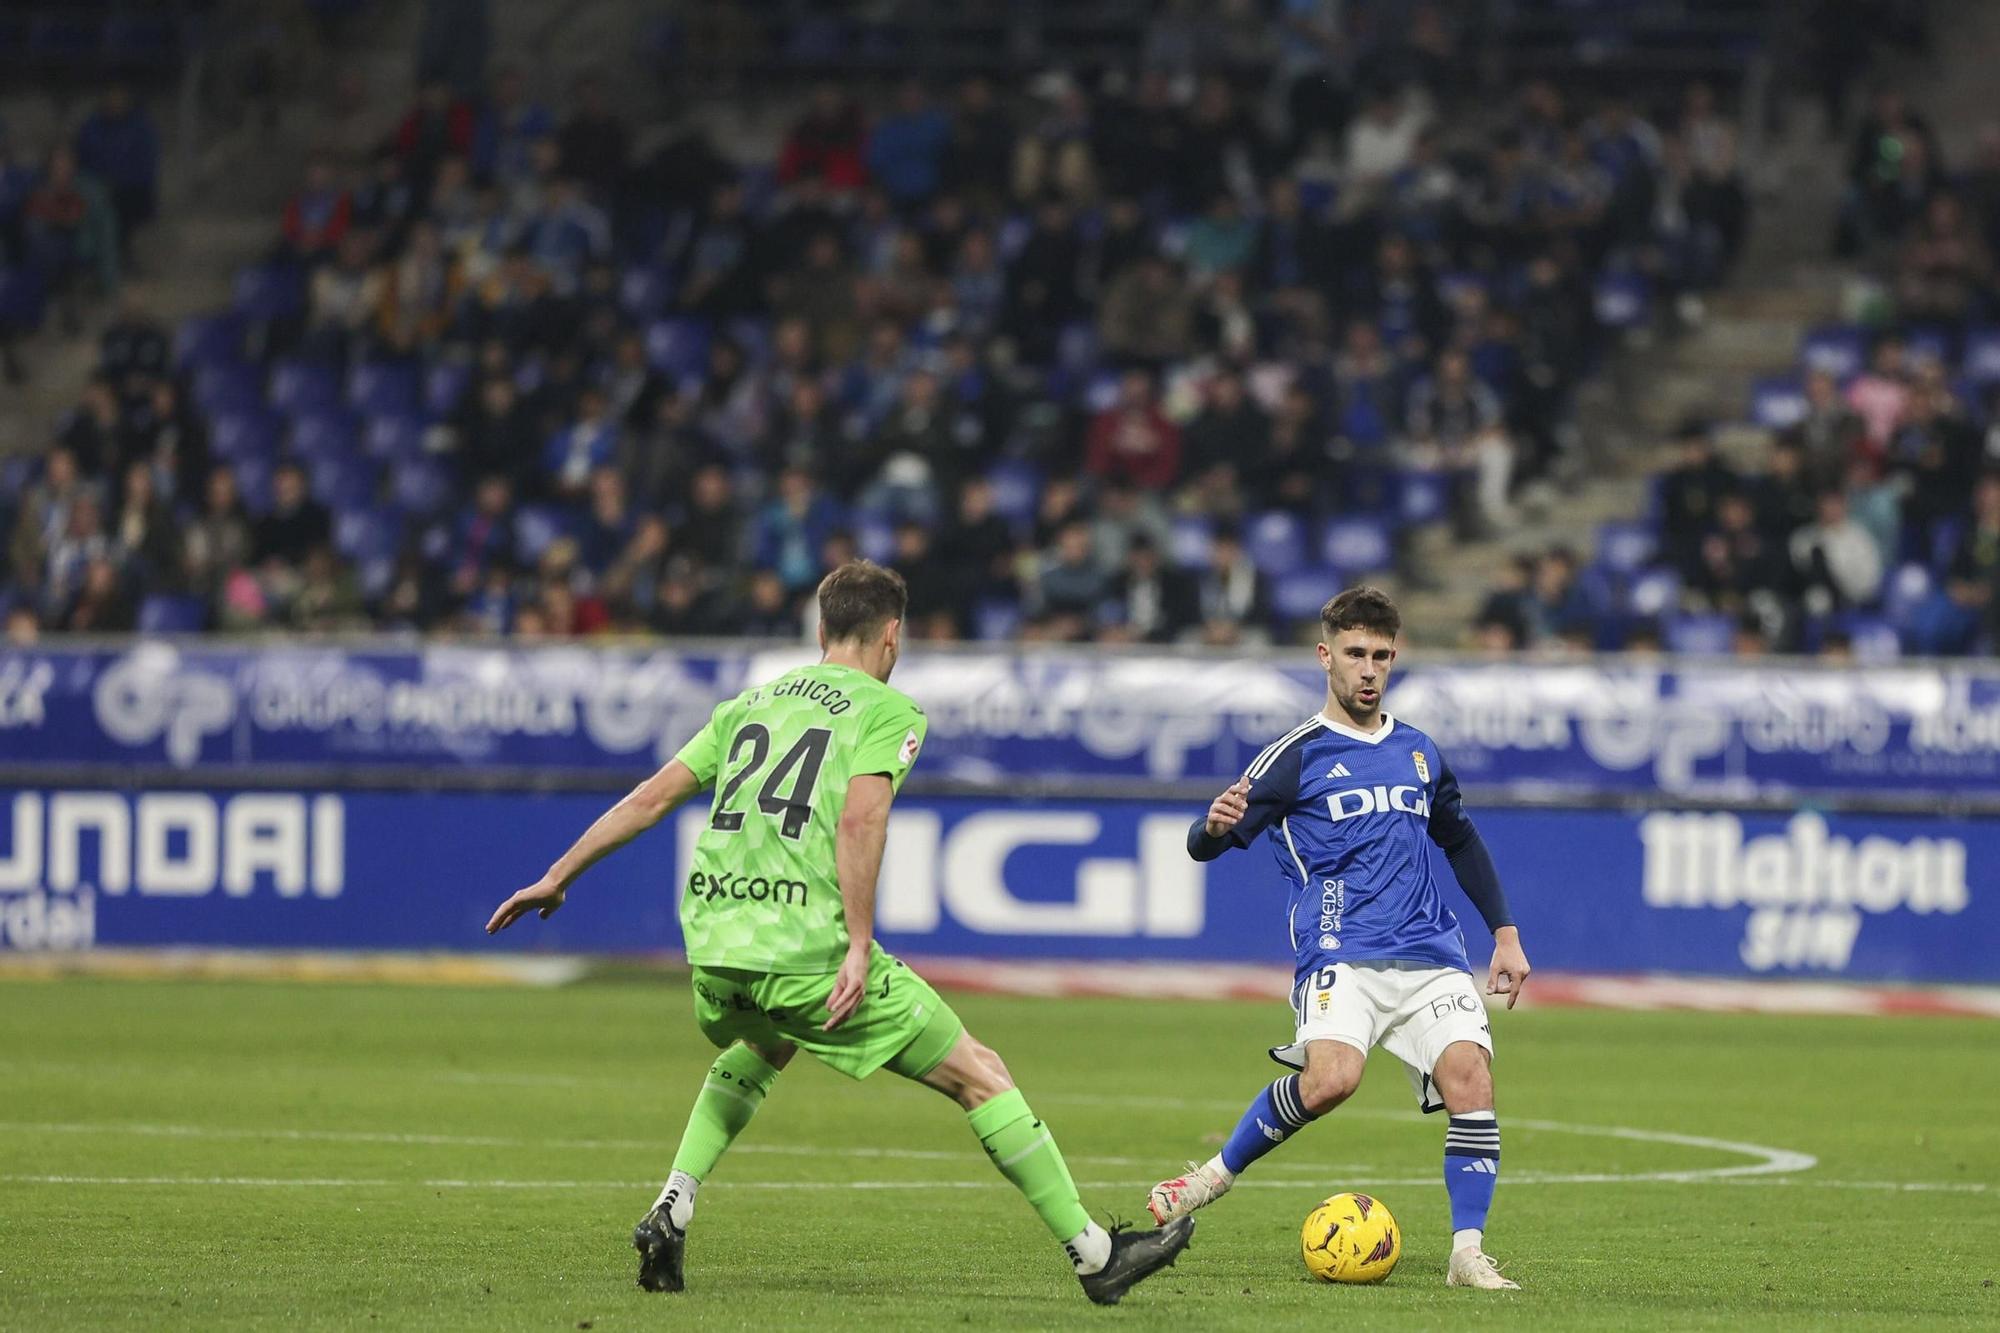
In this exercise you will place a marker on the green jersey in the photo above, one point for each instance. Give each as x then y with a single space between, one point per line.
762 892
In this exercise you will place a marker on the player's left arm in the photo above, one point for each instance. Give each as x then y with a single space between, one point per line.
1453 831
642 807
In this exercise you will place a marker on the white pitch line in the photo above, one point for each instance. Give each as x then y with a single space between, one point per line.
383 1182
488 1141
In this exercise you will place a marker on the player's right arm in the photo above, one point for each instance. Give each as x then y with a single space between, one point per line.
886 750
641 808
1254 802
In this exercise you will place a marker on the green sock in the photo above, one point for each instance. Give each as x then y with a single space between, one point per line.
730 1095
1025 1152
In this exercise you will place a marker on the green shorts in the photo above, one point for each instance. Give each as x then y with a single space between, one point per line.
902 1022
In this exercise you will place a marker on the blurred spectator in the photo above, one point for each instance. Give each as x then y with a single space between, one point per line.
318 214
439 124
588 442
218 538
507 126
1069 584
1945 267
1455 423
72 233
824 147
296 524
791 528
1837 562
1147 316
1880 394
1155 603
932 589
118 145
1692 492
145 534
1132 440
906 149
1231 597
101 604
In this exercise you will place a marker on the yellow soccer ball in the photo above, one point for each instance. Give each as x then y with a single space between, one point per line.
1351 1238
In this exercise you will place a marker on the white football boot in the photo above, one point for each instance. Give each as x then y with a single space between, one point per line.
1473 1267
1183 1194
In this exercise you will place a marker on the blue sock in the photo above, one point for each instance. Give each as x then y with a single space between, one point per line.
1275 1115
1471 1167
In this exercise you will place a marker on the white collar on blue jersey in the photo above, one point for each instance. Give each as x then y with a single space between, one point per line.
1375 737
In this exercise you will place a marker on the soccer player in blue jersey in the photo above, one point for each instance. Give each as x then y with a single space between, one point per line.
1346 801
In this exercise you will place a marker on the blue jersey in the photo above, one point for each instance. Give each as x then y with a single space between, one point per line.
1348 815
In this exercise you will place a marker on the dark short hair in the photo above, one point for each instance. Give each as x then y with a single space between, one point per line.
1362 608
858 598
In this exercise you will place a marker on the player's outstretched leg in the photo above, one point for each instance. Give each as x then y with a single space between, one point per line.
730 1095
1332 1073
1108 1263
1471 1163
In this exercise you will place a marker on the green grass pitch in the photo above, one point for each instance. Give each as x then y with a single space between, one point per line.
237 1154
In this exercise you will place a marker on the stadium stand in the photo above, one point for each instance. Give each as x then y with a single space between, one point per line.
1136 353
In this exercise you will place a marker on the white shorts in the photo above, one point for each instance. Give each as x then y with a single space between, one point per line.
1412 1010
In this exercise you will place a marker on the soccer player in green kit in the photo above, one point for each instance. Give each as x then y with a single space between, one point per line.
779 922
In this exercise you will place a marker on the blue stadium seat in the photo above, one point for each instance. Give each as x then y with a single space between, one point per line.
1358 545
344 483
423 486
644 290
227 386
1778 401
444 385
1981 358
753 335
1423 497
994 619
366 533
678 347
253 481
207 340
23 300
875 537
1076 346
237 435
378 389
322 435
1700 636
1906 589
1017 487
536 528
162 614
1626 547
1275 541
1874 639
1927 346
393 437
1192 537
269 292
1100 390
1653 594
1839 349
1622 300
298 387
1300 594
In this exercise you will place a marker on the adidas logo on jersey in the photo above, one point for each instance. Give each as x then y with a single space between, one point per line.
1340 771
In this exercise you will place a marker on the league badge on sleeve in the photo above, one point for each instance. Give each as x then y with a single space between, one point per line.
1423 766
908 755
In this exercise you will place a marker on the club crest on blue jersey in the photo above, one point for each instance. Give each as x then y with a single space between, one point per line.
1423 768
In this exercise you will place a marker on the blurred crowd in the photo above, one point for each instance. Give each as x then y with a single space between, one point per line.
1865 512
68 216
1060 354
